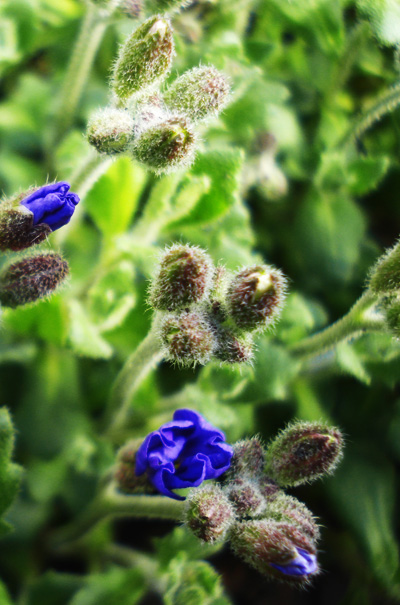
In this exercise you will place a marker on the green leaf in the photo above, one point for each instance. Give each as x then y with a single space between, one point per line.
192 583
53 589
384 16
350 362
84 336
223 170
113 199
181 541
364 174
10 473
116 586
363 490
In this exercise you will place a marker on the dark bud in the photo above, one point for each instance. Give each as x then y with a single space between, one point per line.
246 497
209 514
31 279
188 338
248 459
125 476
303 452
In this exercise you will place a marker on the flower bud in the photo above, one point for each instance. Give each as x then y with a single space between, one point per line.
125 475
188 338
32 278
17 230
199 93
392 316
288 509
269 488
110 130
246 497
166 145
303 452
233 348
130 8
145 58
184 278
209 514
248 459
166 5
255 296
276 549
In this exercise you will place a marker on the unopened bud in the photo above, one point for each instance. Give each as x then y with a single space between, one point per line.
303 452
255 296
188 338
289 509
130 8
269 488
110 130
17 230
127 479
166 145
276 549
233 348
184 278
392 316
199 93
209 514
166 5
32 278
145 58
246 497
385 275
248 459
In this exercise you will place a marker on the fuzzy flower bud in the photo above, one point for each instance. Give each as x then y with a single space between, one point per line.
125 473
233 348
248 458
276 549
385 275
29 217
303 452
392 316
209 514
288 509
199 93
188 338
183 453
110 130
246 497
31 278
184 278
166 145
255 296
166 5
130 8
145 58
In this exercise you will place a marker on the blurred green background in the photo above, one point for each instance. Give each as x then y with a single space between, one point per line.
278 180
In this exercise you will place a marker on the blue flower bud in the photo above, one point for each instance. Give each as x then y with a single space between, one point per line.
51 205
183 453
303 564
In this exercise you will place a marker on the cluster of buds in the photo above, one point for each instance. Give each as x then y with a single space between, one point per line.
136 8
247 506
384 283
156 128
26 220
204 312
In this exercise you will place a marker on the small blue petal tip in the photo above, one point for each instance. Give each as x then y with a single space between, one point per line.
52 204
303 564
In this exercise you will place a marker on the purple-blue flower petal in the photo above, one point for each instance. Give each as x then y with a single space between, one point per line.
303 564
52 205
183 453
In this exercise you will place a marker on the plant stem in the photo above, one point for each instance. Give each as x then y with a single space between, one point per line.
111 504
136 369
385 104
91 33
359 319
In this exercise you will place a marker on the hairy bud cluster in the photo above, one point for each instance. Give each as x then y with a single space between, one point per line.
156 129
385 275
203 314
271 531
125 475
31 279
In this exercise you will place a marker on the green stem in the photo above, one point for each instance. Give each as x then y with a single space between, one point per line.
111 504
385 104
82 58
136 369
358 320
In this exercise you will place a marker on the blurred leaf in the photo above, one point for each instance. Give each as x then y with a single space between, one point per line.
350 362
385 18
10 473
53 589
116 586
113 199
84 336
192 583
182 541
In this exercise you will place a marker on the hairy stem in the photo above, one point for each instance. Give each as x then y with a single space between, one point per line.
111 504
358 320
136 369
83 54
385 104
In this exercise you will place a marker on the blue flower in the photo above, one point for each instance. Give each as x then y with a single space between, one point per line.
183 453
52 205
303 564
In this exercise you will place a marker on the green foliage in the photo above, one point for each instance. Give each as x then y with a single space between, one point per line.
10 473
